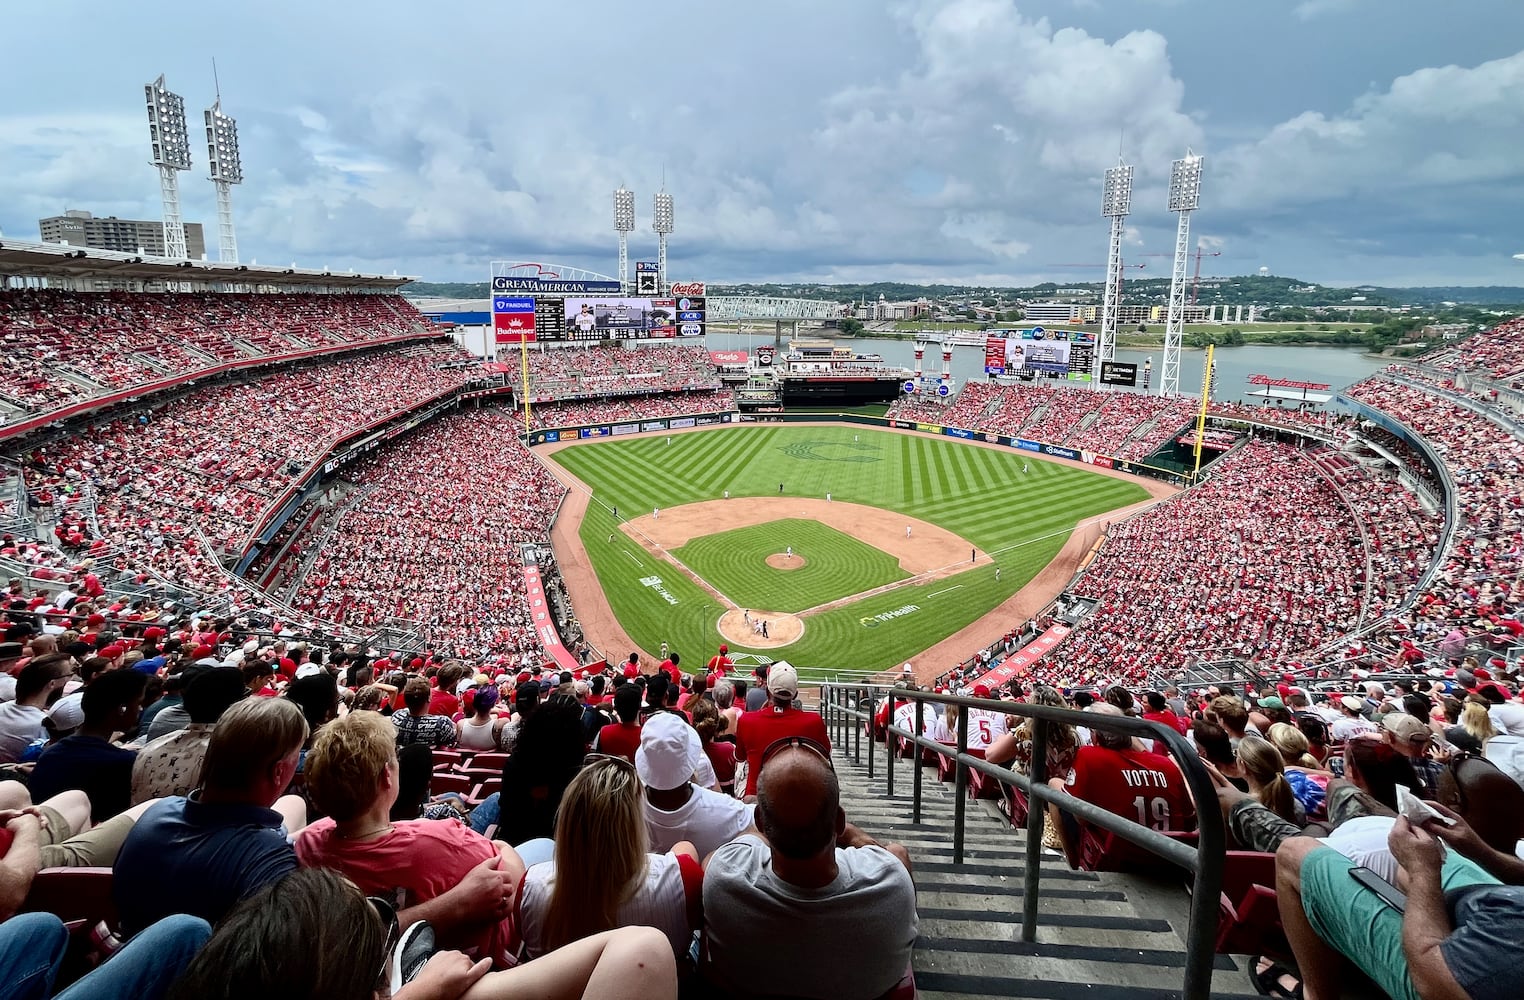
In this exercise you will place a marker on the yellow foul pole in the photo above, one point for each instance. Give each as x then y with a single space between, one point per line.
524 376
1206 395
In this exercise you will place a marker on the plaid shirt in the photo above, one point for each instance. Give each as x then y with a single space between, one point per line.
435 730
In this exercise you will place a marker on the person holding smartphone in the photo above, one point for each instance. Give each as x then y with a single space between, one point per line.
1458 932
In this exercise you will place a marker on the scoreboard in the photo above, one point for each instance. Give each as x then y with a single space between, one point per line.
1065 354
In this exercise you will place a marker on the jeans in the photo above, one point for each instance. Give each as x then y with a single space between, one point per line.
486 814
32 947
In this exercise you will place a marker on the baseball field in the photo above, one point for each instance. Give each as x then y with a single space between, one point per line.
858 548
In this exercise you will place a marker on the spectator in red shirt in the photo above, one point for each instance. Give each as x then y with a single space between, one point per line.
1159 711
443 700
756 731
623 737
1135 784
632 666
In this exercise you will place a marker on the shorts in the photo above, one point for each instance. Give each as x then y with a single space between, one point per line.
1355 921
97 848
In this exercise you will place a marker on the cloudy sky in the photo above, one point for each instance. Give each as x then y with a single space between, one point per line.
1346 141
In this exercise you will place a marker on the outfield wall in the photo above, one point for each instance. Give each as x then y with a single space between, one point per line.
585 432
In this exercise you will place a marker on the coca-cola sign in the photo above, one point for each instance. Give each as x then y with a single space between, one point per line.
687 288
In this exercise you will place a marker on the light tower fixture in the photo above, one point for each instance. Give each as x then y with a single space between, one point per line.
624 225
1116 202
226 170
1184 197
661 221
171 153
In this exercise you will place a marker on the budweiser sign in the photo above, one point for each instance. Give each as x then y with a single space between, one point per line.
687 288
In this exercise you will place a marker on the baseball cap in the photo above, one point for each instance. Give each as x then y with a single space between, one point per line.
1352 703
981 690
669 752
1271 702
1406 728
782 679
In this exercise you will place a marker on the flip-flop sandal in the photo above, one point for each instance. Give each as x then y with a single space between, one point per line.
1269 981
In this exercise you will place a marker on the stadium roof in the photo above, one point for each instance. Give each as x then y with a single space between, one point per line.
27 258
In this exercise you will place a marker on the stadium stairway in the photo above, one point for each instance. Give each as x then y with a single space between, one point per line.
1100 936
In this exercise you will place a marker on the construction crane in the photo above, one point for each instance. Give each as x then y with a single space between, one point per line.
1196 282
1200 253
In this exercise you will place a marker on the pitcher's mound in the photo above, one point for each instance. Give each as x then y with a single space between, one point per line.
779 560
782 628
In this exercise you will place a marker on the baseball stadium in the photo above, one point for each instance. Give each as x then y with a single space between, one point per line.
1154 693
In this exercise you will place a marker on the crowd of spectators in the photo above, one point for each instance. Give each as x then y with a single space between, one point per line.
1129 425
1261 562
61 347
614 409
247 794
210 463
571 371
435 536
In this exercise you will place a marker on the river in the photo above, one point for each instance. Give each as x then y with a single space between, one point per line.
1337 366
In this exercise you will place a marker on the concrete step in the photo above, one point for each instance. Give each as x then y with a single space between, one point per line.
1099 936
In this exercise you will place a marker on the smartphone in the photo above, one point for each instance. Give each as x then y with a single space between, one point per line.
1389 893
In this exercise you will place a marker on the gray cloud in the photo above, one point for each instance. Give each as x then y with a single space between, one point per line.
922 141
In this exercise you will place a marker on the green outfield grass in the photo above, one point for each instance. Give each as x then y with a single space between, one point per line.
834 564
1021 520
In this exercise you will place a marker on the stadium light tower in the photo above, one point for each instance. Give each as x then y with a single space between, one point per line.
624 225
226 170
171 153
1184 197
661 221
1116 202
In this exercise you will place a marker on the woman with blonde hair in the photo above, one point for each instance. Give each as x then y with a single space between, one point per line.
1267 779
1293 746
603 875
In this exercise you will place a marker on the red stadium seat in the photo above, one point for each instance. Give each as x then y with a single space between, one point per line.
442 783
1104 851
1249 921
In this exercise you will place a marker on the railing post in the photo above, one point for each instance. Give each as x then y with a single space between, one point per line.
868 724
1036 810
920 730
962 787
891 747
857 736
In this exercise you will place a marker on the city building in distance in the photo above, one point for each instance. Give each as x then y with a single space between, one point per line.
81 229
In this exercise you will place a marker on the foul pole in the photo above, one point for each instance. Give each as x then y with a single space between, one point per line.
1206 395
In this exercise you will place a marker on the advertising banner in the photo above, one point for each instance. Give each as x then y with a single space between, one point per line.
929 428
619 318
654 425
646 278
544 624
513 319
1019 662
727 357
1057 452
707 421
593 432
1118 373
691 288
1026 445
690 315
553 286
677 422
552 436
619 429
958 432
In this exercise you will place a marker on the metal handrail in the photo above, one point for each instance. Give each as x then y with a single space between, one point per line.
1204 862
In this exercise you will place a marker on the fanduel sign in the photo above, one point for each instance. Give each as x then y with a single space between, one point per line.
554 286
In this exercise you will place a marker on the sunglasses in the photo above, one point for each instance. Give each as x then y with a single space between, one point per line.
596 759
388 914
801 742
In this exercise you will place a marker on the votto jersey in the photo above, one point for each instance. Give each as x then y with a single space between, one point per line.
1147 788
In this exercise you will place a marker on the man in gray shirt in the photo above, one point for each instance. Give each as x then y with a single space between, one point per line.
811 886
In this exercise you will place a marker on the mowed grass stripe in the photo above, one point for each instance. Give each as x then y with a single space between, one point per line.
745 446
1024 518
827 564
